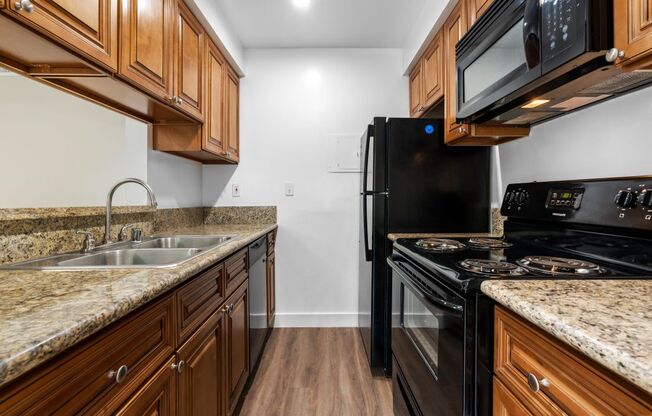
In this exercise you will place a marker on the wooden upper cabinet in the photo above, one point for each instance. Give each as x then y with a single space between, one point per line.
633 32
146 45
476 8
433 69
88 26
214 73
416 90
237 345
454 28
188 61
201 375
157 397
232 117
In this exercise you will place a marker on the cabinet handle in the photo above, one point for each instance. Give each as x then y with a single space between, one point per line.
613 54
227 309
175 99
536 384
179 367
24 5
120 375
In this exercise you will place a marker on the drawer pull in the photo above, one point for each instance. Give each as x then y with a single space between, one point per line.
179 367
120 375
24 5
536 384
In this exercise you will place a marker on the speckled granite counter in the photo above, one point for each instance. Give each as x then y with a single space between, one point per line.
608 320
44 312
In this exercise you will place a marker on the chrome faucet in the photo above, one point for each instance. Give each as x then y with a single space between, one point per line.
109 203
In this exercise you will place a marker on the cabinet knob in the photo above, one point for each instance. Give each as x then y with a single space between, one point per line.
120 375
24 5
536 384
613 54
179 367
461 129
227 309
175 99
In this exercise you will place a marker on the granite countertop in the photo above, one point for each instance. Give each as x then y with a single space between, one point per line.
607 320
43 313
396 236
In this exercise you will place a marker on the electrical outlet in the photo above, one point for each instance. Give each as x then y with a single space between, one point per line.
236 190
289 189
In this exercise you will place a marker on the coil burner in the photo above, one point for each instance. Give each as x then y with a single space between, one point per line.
488 243
440 245
560 266
492 267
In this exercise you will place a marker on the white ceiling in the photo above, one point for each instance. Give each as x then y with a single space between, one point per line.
324 24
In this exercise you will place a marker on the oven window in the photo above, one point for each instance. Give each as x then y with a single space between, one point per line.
422 326
498 61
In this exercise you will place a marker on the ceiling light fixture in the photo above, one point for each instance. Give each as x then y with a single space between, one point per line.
535 103
301 3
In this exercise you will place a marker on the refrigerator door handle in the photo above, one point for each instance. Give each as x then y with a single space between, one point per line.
365 228
365 169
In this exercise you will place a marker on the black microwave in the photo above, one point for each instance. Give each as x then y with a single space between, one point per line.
521 48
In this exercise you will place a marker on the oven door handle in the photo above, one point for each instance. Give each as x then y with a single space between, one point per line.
421 291
531 33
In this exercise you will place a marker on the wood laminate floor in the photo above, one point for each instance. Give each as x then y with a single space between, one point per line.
316 371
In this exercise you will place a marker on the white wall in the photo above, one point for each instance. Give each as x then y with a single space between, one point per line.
609 139
291 100
216 18
425 27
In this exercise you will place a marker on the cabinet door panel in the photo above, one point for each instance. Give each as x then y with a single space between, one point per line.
433 67
147 45
237 345
416 89
232 116
476 9
454 29
271 289
633 29
505 404
201 387
90 26
188 54
158 397
213 139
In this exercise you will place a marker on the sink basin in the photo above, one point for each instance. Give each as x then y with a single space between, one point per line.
185 241
132 258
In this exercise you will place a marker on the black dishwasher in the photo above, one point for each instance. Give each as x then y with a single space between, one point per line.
257 299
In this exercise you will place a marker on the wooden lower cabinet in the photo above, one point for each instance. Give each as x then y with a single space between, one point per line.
237 345
536 372
271 289
200 364
157 397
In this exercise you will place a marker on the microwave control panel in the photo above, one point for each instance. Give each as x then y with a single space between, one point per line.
560 18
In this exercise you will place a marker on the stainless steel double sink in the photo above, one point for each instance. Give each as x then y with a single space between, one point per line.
153 252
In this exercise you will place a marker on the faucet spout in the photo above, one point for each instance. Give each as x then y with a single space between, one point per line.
109 203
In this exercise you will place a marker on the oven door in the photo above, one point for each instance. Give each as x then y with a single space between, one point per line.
501 54
428 330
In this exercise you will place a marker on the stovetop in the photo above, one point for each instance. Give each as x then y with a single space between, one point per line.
465 263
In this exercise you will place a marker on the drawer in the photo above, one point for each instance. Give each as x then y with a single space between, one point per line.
83 380
271 242
198 299
568 382
236 270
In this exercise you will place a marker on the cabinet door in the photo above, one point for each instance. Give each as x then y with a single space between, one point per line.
476 8
433 68
158 396
237 340
505 404
90 26
214 73
146 45
201 370
188 59
633 29
232 107
416 91
271 289
2 4
454 28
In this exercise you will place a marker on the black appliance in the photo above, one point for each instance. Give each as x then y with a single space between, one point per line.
525 61
442 329
410 182
257 300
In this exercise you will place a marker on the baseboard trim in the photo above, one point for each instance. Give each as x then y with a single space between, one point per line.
316 320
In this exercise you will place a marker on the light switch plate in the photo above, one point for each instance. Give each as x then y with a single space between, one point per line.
289 189
236 190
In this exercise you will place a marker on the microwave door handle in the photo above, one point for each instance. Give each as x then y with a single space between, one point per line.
420 292
531 35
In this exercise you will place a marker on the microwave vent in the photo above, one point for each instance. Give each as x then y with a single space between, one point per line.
621 82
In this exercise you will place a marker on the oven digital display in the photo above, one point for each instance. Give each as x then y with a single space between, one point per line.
564 198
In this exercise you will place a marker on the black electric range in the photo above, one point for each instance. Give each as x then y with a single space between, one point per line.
442 326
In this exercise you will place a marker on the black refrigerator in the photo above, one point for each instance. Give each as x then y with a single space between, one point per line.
410 183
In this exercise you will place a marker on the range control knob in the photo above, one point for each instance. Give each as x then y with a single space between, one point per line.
626 199
645 198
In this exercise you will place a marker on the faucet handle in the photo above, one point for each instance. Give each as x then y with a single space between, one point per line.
122 235
89 241
136 235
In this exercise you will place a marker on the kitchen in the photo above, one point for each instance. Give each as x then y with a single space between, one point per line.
260 264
